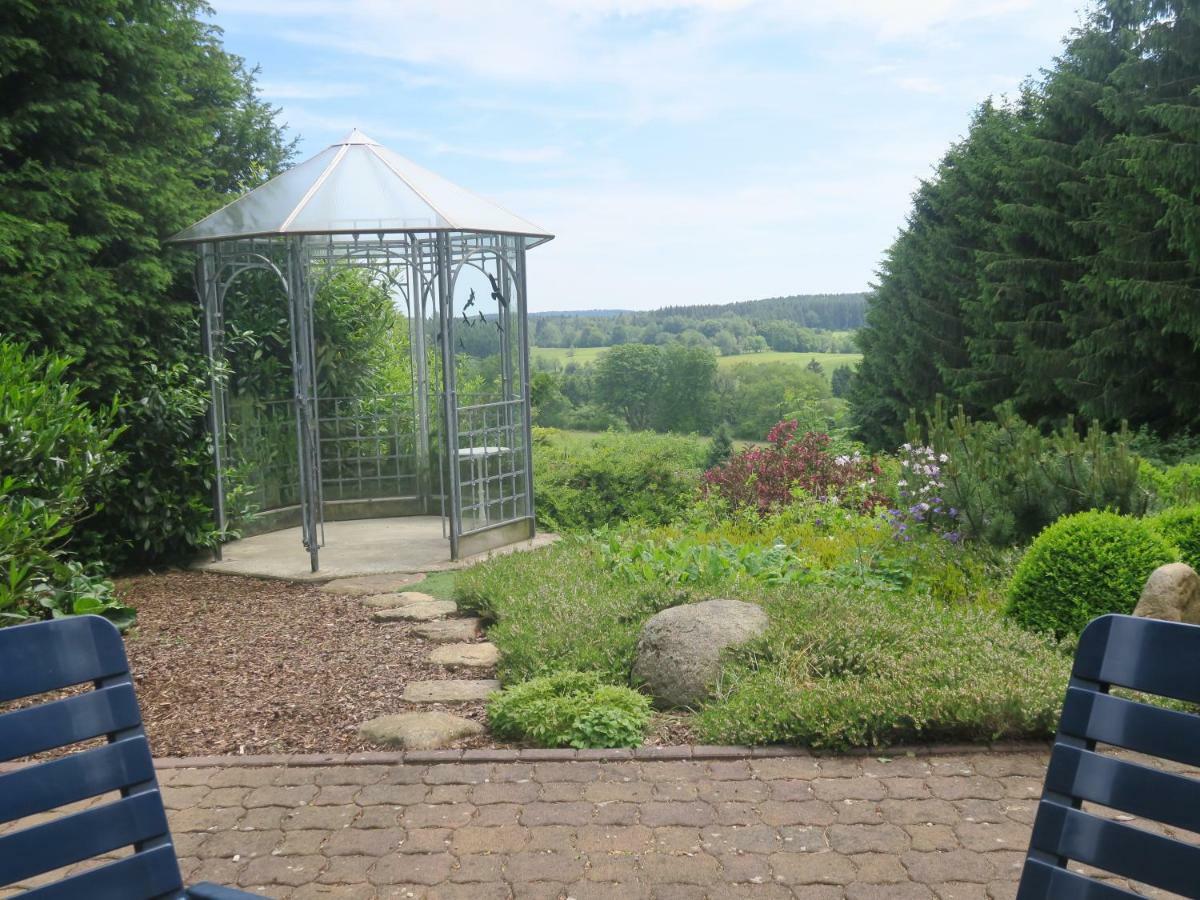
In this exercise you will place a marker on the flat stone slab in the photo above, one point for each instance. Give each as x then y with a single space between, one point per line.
365 585
418 731
395 601
417 612
450 691
466 656
446 631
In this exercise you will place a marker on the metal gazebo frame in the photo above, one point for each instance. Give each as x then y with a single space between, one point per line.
358 205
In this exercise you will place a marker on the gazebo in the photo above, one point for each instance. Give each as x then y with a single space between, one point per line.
453 265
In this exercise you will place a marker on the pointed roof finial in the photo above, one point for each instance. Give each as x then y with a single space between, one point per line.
356 137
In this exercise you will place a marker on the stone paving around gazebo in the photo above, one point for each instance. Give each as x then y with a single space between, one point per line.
852 828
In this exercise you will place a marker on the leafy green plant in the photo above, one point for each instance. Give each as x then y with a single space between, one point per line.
1083 566
1180 527
1182 483
1006 481
53 451
79 590
570 709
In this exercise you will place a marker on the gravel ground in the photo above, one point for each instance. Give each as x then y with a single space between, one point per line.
229 665
244 665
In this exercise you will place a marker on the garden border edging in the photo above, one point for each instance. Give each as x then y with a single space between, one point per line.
685 752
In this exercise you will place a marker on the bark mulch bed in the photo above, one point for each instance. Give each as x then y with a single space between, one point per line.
229 665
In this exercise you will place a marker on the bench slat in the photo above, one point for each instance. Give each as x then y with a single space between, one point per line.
149 874
89 773
80 836
75 651
1125 786
1141 654
1152 730
1042 881
1121 849
67 721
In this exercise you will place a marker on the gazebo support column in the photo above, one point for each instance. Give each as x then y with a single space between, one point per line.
308 445
212 333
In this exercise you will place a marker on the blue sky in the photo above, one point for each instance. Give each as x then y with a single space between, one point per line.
683 151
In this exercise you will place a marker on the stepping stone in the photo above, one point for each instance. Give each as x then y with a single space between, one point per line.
451 691
425 611
418 731
365 585
466 656
449 630
394 601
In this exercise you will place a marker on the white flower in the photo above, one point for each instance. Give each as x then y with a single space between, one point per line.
943 458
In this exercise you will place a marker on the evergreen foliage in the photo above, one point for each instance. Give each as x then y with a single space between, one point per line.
121 122
1083 566
1053 259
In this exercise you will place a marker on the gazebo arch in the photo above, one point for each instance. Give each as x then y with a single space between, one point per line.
358 205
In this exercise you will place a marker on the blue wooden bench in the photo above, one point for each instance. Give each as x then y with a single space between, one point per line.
48 656
1151 657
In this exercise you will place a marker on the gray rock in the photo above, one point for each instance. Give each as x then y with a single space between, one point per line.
678 652
1172 592
447 631
449 691
395 601
466 656
418 731
424 611
365 585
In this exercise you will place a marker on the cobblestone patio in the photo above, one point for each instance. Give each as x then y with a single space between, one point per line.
849 828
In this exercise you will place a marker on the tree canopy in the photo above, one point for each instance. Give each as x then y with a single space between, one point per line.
121 122
1053 258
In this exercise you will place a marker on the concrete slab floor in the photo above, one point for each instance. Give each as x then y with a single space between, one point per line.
360 547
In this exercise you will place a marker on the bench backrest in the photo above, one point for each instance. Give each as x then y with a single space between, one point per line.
49 656
1151 657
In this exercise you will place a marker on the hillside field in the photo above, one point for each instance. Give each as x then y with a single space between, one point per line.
585 355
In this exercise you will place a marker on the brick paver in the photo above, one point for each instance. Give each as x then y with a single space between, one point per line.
799 827
936 827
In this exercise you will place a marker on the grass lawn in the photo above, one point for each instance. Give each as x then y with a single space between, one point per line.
587 355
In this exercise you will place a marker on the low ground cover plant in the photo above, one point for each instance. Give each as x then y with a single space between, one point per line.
570 709
1084 566
925 653
847 668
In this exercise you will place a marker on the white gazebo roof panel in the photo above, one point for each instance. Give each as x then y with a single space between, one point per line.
357 186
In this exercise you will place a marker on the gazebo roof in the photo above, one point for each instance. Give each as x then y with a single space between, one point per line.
357 186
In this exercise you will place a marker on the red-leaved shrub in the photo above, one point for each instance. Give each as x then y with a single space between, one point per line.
769 477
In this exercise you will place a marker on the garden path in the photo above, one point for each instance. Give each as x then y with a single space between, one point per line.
951 827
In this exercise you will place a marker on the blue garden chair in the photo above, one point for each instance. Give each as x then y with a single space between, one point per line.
48 656
1152 657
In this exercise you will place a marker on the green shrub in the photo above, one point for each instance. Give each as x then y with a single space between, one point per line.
1007 481
1180 527
570 709
842 668
1182 484
614 477
53 451
562 608
1084 566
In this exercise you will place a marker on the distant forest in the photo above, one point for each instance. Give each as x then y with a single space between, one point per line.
799 323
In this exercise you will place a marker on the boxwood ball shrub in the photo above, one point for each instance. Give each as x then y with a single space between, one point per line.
1180 527
570 709
1084 566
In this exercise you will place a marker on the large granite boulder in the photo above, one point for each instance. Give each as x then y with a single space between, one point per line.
1173 593
678 652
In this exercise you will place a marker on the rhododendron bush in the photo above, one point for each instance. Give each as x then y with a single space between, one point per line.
791 466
